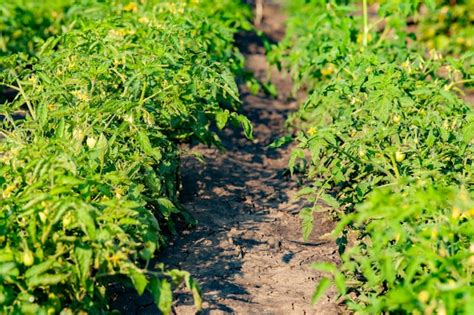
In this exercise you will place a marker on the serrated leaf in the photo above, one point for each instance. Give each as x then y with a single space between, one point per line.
195 290
330 200
246 125
468 132
305 191
295 155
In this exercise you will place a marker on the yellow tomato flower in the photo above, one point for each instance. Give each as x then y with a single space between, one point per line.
312 131
7 192
131 7
328 70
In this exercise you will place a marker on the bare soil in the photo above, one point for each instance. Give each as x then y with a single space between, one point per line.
247 251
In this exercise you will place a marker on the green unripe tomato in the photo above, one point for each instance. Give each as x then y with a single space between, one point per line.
400 156
28 258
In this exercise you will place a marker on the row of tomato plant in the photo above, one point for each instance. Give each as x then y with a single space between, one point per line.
89 150
386 141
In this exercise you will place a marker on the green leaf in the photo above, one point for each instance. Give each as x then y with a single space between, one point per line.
229 85
83 255
166 298
8 269
162 294
40 268
325 267
145 145
295 155
406 102
278 143
167 207
270 89
430 140
340 282
42 113
46 279
468 131
85 220
221 118
102 146
139 280
330 201
305 191
321 288
196 291
246 125
307 218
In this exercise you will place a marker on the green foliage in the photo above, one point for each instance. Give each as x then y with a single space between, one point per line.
390 146
415 253
447 27
88 179
384 122
25 23
308 49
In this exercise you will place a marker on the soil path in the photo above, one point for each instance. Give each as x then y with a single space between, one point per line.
246 251
243 251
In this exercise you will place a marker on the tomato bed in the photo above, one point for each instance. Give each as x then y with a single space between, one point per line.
390 145
88 178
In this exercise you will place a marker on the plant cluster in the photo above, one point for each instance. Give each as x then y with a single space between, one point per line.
390 147
24 23
447 27
88 179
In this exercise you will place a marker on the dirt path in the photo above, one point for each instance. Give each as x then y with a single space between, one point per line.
245 250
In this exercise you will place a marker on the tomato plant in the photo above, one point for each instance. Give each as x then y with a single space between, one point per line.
88 176
387 143
414 254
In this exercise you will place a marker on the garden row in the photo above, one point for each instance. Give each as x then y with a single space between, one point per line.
89 159
385 140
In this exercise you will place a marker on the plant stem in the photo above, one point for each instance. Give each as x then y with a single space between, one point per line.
366 23
395 167
452 84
